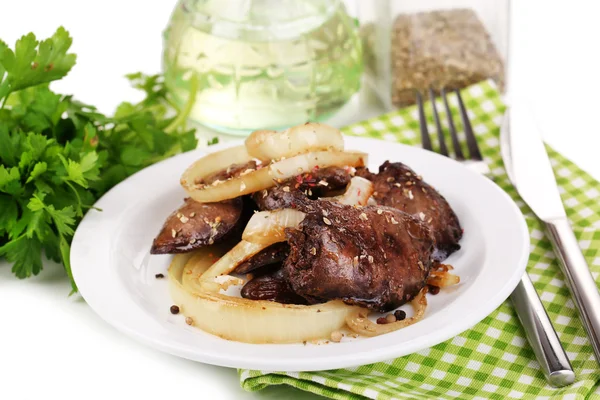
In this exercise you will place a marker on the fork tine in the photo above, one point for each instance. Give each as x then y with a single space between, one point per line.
455 143
425 139
471 141
438 125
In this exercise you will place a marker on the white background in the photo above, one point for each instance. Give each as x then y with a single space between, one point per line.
55 346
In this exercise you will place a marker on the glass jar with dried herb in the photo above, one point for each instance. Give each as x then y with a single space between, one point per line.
412 45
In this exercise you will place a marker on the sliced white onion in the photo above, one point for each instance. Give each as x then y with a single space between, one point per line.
230 260
290 167
213 163
259 179
358 322
358 192
268 227
273 145
244 320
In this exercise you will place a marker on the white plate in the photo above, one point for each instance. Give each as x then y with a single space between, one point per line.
115 272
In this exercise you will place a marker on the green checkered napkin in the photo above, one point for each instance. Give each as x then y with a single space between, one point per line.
492 360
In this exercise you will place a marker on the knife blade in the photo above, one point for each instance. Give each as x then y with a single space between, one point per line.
531 166
534 180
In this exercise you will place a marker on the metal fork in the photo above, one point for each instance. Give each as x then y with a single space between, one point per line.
538 328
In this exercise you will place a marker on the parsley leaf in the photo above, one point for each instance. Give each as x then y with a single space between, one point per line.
58 155
25 254
33 63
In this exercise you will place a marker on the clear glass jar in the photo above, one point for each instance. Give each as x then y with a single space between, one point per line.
413 45
261 64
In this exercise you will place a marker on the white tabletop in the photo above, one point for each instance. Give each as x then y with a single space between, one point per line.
52 345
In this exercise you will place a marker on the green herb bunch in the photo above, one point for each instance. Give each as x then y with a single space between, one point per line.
58 155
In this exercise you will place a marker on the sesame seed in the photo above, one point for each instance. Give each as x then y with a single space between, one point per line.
323 183
355 261
265 193
408 174
370 258
309 192
211 241
394 222
422 216
409 183
192 215
242 186
363 217
397 185
286 189
390 179
313 251
410 195
423 190
325 212
184 219
192 241
327 221
173 233
379 211
218 219
421 266
189 320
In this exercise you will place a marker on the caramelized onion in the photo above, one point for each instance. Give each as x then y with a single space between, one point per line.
268 227
259 179
441 277
273 145
250 321
359 323
358 192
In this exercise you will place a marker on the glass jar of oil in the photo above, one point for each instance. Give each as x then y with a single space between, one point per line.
261 64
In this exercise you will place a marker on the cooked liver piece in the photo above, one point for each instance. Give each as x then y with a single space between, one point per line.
195 225
373 256
396 185
319 183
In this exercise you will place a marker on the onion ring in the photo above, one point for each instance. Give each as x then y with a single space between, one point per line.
273 145
357 193
244 320
259 179
268 227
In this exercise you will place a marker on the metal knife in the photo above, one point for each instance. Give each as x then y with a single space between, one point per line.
540 333
534 179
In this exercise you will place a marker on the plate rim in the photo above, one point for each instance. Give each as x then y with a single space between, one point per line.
350 359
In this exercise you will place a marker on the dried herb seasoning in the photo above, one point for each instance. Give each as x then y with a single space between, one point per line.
441 49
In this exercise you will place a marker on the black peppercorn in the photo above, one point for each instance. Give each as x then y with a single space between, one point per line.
174 309
400 315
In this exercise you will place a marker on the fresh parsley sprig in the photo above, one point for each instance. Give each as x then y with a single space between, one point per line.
58 155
